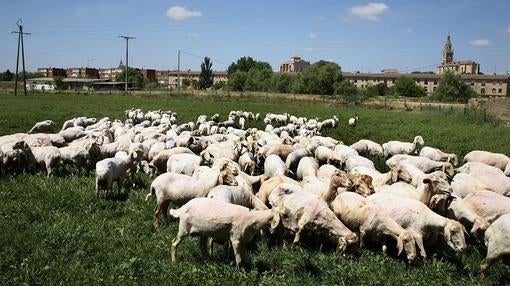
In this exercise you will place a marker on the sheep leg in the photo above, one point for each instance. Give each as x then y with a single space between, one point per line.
176 242
485 264
236 245
297 236
157 211
97 187
362 234
419 241
204 241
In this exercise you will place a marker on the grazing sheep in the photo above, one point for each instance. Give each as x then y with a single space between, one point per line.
488 205
158 164
417 217
301 210
46 126
294 157
357 161
230 222
425 164
274 166
497 160
397 147
114 169
367 218
48 157
438 155
179 189
307 166
497 241
183 163
491 176
463 184
367 147
268 186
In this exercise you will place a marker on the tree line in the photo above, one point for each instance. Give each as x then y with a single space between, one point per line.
325 78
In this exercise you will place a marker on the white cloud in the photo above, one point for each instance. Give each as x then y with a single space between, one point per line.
308 50
507 30
480 43
409 30
193 35
370 12
178 13
312 35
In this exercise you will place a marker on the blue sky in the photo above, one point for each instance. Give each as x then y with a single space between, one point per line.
358 35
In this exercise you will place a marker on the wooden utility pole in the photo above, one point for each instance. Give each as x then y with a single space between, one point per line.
127 55
179 70
20 44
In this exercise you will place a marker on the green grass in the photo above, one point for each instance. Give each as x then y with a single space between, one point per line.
55 231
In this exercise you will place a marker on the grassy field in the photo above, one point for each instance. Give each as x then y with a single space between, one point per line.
55 231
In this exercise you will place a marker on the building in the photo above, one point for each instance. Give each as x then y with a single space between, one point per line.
295 64
82 73
460 67
162 78
110 73
149 74
52 72
493 85
190 76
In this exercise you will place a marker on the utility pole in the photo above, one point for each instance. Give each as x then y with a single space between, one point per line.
127 54
179 70
20 43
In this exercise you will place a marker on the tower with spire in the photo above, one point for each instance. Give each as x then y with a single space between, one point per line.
447 53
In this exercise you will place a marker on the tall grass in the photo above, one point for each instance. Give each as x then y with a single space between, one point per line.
55 231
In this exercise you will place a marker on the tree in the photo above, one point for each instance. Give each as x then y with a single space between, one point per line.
282 82
206 78
249 74
59 82
243 64
347 90
135 77
320 78
405 86
219 85
6 76
452 88
236 80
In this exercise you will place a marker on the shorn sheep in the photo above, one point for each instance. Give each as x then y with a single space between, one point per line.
353 121
234 223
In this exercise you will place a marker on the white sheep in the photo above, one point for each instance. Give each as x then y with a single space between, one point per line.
48 157
367 147
367 218
268 186
425 164
179 189
307 166
438 155
391 148
488 205
463 184
417 217
183 163
356 161
489 175
111 170
230 222
274 166
497 240
497 160
46 126
158 164
301 210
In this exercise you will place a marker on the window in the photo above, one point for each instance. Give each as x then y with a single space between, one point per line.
500 90
435 82
483 83
493 90
426 82
482 91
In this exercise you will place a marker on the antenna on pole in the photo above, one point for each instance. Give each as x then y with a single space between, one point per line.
127 55
20 33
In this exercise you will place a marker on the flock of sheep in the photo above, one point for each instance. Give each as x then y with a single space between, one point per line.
232 182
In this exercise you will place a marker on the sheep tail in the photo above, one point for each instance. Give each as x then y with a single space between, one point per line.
176 213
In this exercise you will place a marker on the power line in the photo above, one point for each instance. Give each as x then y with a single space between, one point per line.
127 57
201 57
20 43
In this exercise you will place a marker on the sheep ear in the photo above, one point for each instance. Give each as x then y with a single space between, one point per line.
427 181
400 246
276 220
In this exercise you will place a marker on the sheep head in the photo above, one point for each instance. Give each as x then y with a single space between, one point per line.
454 235
405 241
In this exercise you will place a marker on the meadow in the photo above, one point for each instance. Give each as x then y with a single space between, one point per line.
55 231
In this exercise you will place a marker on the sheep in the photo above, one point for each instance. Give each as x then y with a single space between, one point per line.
268 186
301 210
367 148
497 242
114 169
438 155
83 156
327 187
294 157
158 164
423 163
367 218
247 162
491 176
73 133
179 189
46 126
497 160
325 155
488 205
379 179
48 156
228 222
183 163
391 148
239 195
274 166
11 155
307 166
353 121
356 161
423 192
464 184
326 170
418 218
